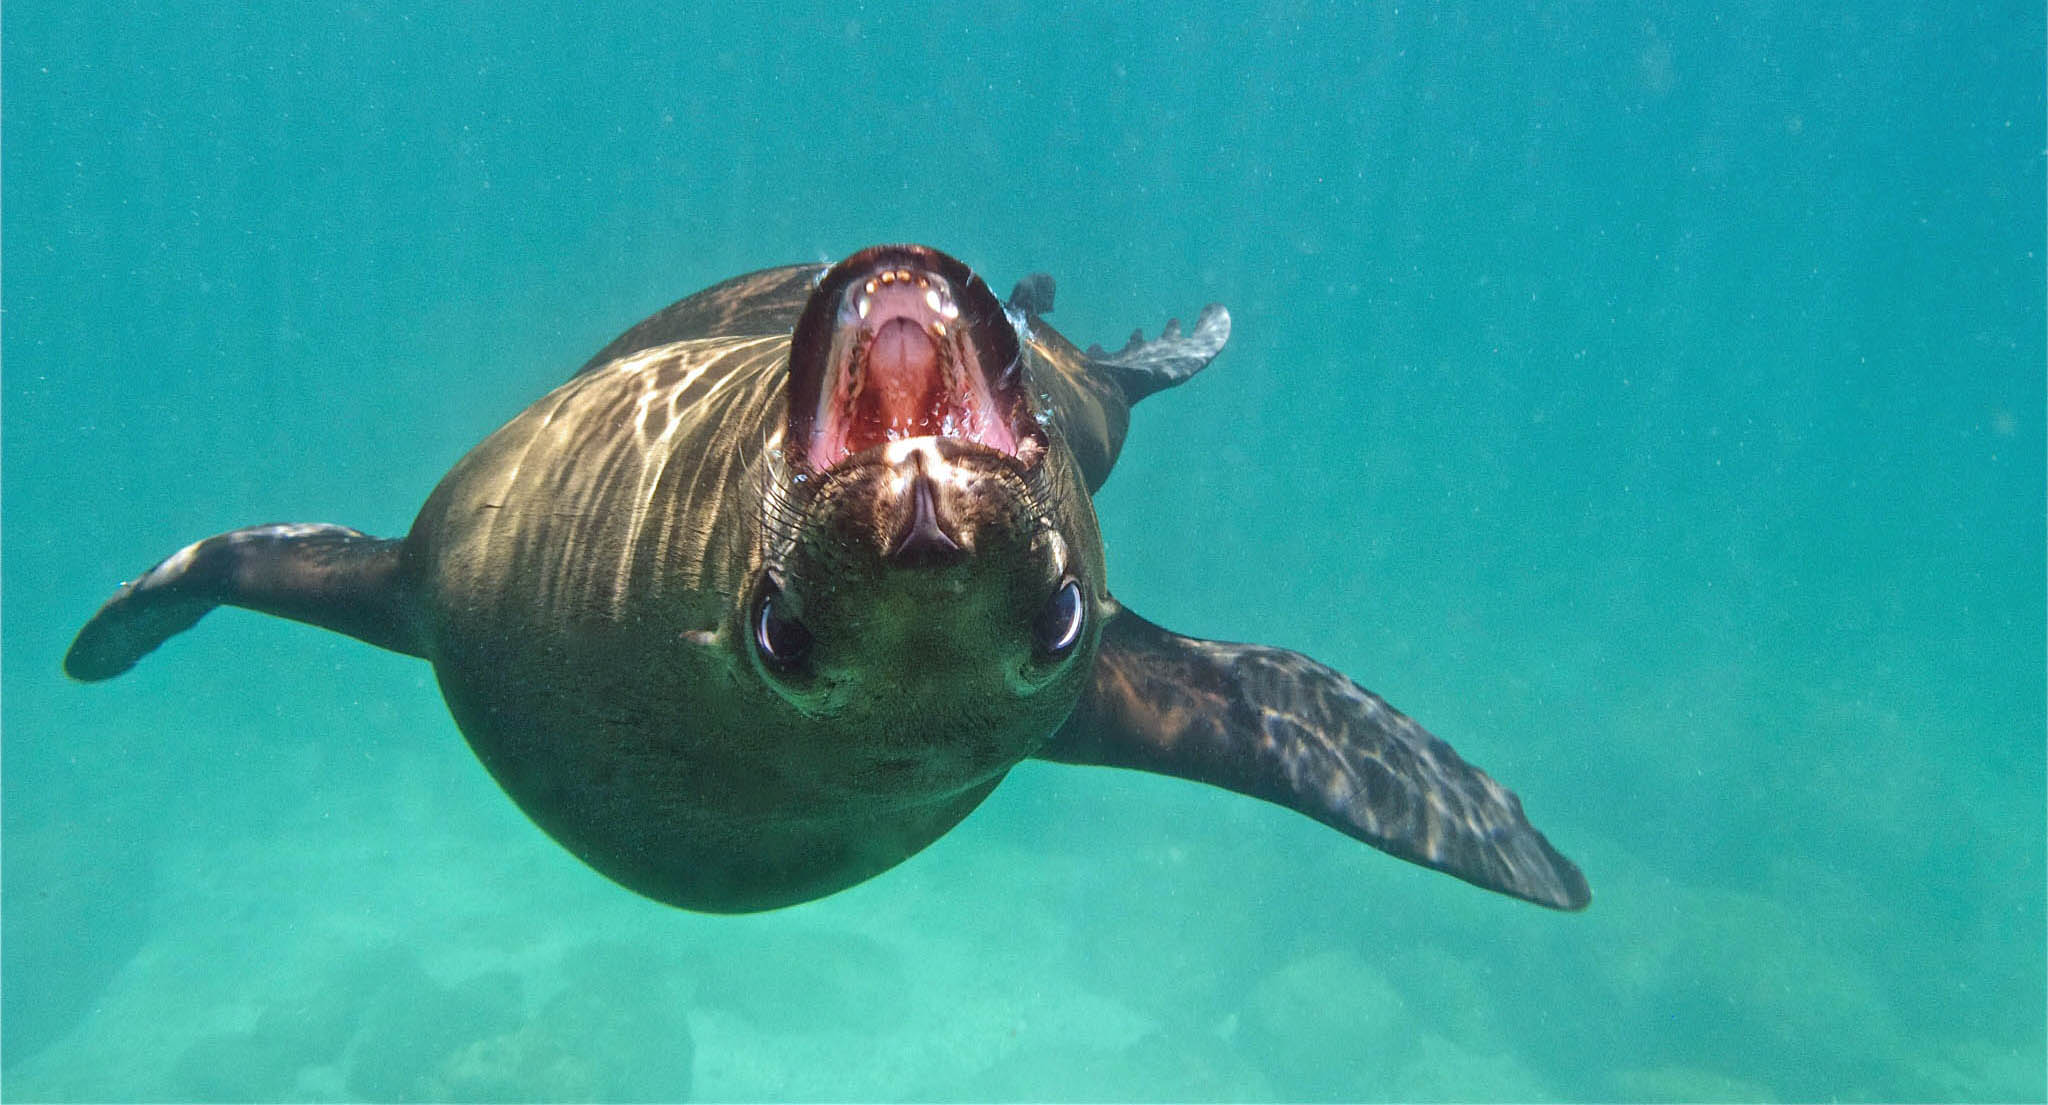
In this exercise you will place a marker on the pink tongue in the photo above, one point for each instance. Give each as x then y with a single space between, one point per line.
902 379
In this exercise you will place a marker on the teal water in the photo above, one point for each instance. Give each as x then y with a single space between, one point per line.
1649 399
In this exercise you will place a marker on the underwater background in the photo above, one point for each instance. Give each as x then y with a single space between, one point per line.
1646 397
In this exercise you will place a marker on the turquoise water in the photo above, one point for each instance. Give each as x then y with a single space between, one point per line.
1648 399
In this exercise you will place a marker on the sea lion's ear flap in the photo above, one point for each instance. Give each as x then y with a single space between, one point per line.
329 576
1277 725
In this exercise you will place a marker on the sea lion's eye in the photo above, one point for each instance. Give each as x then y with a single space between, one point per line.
783 642
1057 628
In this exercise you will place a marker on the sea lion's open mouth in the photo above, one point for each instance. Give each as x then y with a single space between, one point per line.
903 342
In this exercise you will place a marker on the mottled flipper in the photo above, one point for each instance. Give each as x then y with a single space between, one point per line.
1142 367
329 576
1279 726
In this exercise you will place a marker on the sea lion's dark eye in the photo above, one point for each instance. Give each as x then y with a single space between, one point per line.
783 642
1057 628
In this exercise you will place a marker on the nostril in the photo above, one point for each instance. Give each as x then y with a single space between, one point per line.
921 540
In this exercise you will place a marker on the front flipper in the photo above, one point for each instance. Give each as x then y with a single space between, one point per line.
329 576
1279 726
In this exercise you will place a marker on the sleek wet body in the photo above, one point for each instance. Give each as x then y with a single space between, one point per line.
775 590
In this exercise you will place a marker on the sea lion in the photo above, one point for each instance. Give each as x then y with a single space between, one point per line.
782 582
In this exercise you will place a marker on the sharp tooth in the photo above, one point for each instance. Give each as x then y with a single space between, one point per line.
932 300
863 306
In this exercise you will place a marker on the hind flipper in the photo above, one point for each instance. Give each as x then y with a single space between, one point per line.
329 576
1033 294
1279 726
1142 367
